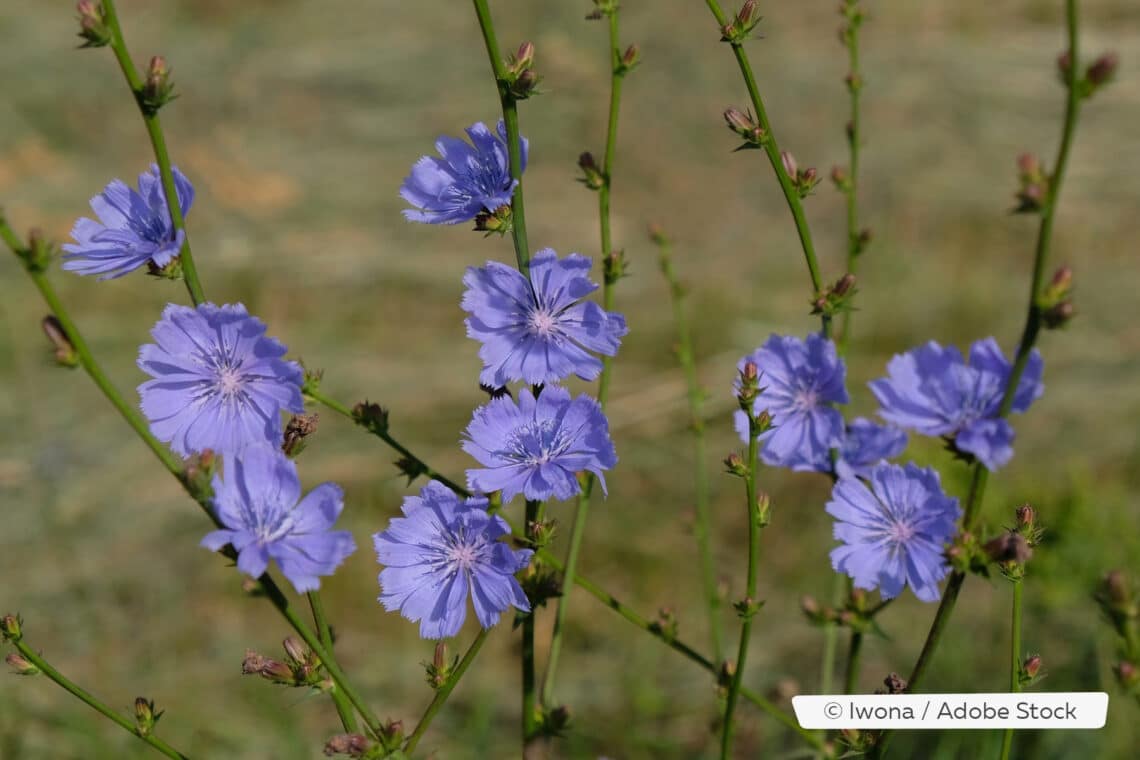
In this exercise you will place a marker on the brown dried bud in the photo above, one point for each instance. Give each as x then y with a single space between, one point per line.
1058 315
895 684
299 427
843 285
1103 69
1009 547
630 58
65 354
353 745
295 650
1032 666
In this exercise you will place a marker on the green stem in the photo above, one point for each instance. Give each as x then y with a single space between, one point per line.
772 149
444 691
94 703
840 584
514 143
158 143
582 511
529 696
632 616
1024 348
345 411
701 524
1014 661
750 596
324 633
854 135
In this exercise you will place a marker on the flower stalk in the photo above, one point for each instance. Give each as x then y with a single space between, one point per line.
444 691
148 109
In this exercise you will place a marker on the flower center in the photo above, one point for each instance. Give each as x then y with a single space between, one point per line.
901 532
805 399
537 443
230 381
463 555
543 323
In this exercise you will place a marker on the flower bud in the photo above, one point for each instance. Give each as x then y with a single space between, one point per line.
145 716
1127 673
1102 70
763 509
497 221
1064 65
734 465
592 176
393 732
37 257
1058 315
20 665
895 684
157 89
630 58
1028 165
65 354
296 652
789 162
11 628
526 84
353 745
1009 547
372 417
840 177
524 58
554 721
92 24
1032 666
657 235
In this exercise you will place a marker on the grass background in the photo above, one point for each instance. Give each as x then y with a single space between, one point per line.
297 121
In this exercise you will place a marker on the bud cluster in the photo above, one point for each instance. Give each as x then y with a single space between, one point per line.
592 175
1098 73
835 298
741 26
853 18
498 221
803 180
301 666
372 417
521 79
854 614
602 9
614 266
744 124
1119 602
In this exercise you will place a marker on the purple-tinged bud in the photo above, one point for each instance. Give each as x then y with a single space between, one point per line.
439 657
92 24
1062 280
895 684
840 177
157 89
353 745
1127 673
299 427
524 58
20 665
1026 516
614 266
809 176
554 721
745 125
1059 315
1029 165
393 732
843 285
810 607
1032 666
657 235
11 628
630 58
65 354
734 465
541 532
789 162
1064 65
296 652
1009 547
1103 70
592 175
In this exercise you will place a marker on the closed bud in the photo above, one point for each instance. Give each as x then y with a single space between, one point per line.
1062 280
526 84
592 176
1026 516
763 509
1058 315
1028 165
630 58
789 162
748 16
353 745
734 465
524 58
840 177
657 235
810 607
145 716
371 417
555 721
65 354
11 628
1009 547
393 732
1103 70
1032 666
1127 673
843 285
1064 65
40 252
92 24
20 665
895 684
296 652
158 89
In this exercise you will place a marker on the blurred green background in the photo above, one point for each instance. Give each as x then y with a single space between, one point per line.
298 120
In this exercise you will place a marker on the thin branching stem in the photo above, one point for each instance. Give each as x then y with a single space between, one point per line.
1024 348
445 690
324 633
1014 660
128 725
158 143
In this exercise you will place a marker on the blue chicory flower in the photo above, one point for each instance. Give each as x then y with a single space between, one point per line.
865 444
134 228
537 446
800 379
933 391
264 517
893 530
218 382
538 330
468 180
441 548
